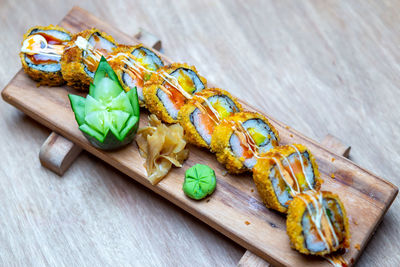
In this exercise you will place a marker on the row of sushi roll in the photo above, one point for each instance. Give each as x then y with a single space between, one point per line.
286 176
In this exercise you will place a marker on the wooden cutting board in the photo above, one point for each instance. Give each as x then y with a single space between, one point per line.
235 208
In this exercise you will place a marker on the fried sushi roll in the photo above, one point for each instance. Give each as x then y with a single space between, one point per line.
82 56
203 112
41 52
135 67
238 140
169 89
317 223
283 172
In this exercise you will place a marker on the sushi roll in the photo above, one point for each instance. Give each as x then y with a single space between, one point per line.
283 172
203 112
238 140
41 52
82 56
169 89
317 223
135 67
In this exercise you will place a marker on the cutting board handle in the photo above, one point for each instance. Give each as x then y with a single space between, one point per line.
332 143
57 152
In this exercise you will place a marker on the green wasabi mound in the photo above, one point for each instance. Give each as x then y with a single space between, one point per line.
108 116
199 181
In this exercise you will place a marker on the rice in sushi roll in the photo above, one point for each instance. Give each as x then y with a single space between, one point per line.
135 66
82 56
238 140
317 223
283 172
203 112
41 52
169 89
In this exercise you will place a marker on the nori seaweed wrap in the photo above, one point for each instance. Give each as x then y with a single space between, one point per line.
78 65
41 52
170 88
200 115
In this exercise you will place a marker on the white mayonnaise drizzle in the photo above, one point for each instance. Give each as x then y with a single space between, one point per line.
336 261
317 216
37 45
83 44
216 114
317 203
302 167
298 191
284 178
168 78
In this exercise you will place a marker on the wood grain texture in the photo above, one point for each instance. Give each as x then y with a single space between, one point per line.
58 153
326 67
249 259
336 145
234 202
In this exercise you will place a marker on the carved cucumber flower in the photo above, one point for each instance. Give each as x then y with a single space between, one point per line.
108 116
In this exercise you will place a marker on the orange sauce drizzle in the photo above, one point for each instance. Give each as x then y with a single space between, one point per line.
136 75
171 87
93 57
42 58
322 227
208 118
176 96
51 39
336 260
247 143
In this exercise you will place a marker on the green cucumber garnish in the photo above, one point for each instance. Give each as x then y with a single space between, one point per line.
108 117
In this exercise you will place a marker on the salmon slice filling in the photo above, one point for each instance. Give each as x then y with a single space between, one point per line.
174 99
147 59
100 45
205 120
293 163
261 134
53 45
312 237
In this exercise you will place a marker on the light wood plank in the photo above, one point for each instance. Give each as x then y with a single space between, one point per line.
334 144
324 67
364 195
252 260
58 153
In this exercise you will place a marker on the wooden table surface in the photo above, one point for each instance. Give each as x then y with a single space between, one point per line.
321 67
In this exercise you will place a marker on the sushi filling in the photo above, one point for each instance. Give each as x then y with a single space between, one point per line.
332 219
43 49
171 98
204 120
100 45
263 138
149 60
292 163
